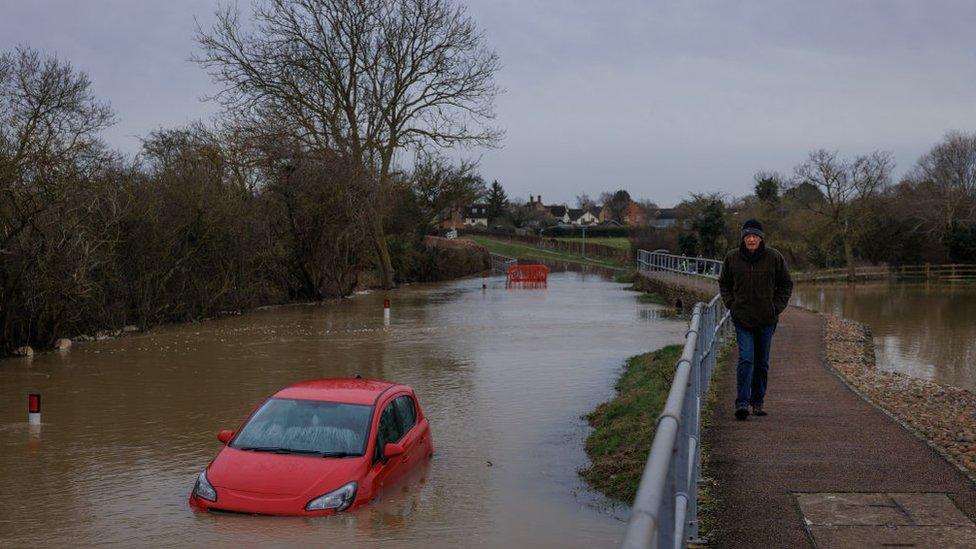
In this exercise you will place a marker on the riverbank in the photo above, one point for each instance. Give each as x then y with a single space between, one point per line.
443 259
943 416
623 427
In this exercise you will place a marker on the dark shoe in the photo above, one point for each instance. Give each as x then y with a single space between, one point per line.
757 410
741 413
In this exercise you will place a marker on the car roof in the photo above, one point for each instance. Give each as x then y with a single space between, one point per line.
345 390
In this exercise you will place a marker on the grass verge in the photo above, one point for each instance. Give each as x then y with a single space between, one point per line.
524 251
623 428
626 276
619 242
708 503
650 297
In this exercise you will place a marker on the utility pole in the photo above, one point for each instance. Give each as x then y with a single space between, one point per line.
583 228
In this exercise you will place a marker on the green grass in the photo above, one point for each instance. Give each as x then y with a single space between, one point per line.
619 242
708 502
626 276
525 251
623 428
650 297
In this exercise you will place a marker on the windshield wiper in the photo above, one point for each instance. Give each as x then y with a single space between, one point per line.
277 450
337 454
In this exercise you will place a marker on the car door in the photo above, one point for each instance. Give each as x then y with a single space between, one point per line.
415 438
387 471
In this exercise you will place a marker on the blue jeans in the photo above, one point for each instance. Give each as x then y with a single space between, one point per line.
753 367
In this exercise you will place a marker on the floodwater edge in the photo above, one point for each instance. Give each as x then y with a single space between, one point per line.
942 416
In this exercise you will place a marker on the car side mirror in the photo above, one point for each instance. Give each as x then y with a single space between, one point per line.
225 436
392 450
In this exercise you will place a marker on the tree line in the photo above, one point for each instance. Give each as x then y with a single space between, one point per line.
833 211
323 168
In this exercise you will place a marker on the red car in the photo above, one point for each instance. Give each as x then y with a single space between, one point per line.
317 448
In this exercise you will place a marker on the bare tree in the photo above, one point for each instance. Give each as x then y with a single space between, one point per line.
50 154
365 78
439 188
844 184
948 174
584 201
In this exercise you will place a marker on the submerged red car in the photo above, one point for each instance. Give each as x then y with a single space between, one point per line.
317 448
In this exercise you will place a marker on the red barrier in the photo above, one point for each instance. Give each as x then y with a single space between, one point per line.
528 273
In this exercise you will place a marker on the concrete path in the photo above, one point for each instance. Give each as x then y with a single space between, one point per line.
825 468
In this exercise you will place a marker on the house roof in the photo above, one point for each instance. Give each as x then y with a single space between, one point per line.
576 213
666 213
557 211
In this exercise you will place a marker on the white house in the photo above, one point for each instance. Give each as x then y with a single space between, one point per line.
560 213
665 218
476 215
580 216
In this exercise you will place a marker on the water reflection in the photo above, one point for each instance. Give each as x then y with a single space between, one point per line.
923 330
504 377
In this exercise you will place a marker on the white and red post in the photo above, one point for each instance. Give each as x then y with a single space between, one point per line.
34 409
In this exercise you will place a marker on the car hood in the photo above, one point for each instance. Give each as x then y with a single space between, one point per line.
281 474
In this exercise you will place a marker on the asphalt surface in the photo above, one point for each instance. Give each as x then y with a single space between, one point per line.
819 437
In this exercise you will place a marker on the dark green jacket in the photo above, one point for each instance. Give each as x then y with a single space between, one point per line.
756 292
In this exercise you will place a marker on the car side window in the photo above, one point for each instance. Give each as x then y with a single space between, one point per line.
406 413
388 430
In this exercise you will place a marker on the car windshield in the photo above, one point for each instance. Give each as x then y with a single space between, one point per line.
306 426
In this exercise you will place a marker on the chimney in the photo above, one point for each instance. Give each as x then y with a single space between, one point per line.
540 199
531 199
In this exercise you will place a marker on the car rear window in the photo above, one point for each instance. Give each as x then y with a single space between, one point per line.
307 426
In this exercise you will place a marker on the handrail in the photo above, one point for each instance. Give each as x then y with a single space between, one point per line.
501 263
665 510
663 261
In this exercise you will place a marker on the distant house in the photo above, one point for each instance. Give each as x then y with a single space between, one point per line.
584 217
476 215
536 203
633 214
559 213
452 220
664 218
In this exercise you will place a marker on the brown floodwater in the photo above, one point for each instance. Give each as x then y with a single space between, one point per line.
922 330
504 376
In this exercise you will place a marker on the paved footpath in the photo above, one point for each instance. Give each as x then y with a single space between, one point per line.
825 468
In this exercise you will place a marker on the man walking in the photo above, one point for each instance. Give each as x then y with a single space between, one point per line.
756 287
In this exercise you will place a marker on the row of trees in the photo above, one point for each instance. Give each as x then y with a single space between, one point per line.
834 211
293 193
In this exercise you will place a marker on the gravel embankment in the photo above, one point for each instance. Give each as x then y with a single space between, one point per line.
942 415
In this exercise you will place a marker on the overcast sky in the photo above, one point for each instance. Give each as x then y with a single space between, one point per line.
659 98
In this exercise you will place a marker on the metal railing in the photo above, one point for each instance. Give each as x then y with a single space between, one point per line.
661 261
665 510
501 263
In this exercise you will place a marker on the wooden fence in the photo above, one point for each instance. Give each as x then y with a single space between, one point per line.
957 272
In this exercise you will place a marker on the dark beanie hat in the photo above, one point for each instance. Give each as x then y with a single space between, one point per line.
752 226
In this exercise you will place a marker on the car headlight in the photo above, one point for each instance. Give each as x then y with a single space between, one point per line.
203 489
340 499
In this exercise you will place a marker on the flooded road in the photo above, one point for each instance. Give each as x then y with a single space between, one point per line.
922 330
503 375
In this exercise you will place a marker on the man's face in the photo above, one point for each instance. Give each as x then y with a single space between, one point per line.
752 242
